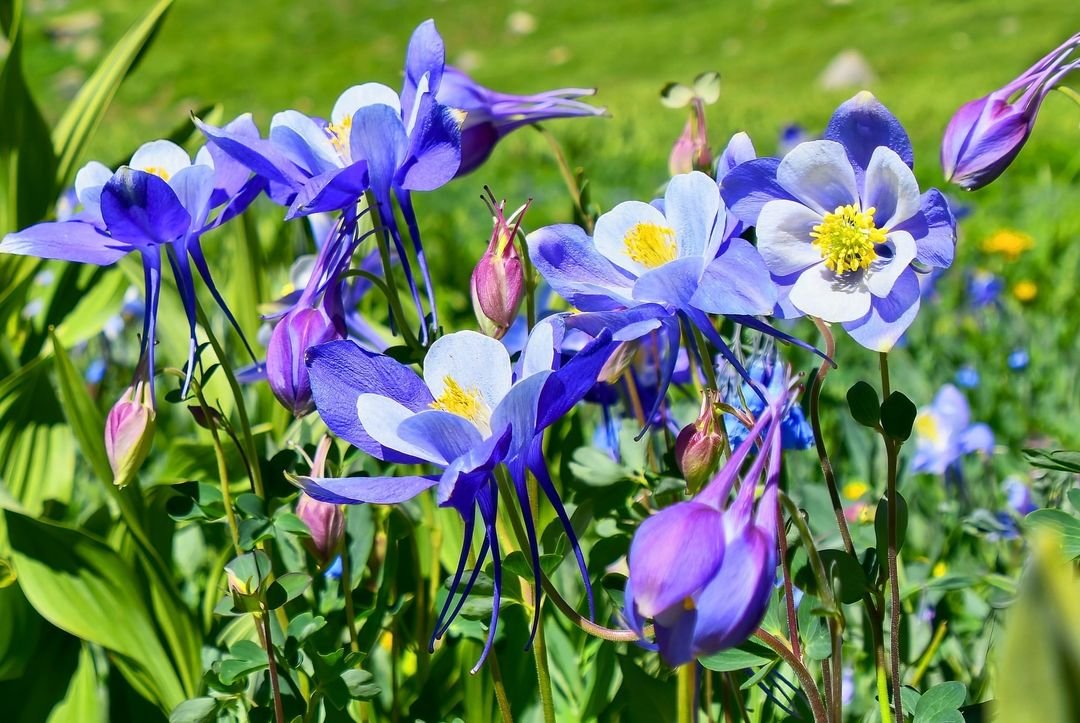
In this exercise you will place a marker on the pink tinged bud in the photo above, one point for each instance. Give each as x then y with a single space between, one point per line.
497 286
698 447
285 369
986 134
681 159
129 432
327 525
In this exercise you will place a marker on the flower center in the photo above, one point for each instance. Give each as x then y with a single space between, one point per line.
463 402
926 426
650 244
158 171
339 135
846 238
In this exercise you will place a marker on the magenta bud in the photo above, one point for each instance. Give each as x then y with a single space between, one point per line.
986 134
129 432
698 447
299 329
327 525
497 286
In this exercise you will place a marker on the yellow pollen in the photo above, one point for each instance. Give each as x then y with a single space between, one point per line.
846 238
650 244
339 134
688 604
939 569
159 172
926 426
462 402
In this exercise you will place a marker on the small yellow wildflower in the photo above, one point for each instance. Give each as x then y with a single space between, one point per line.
1008 242
939 569
1025 291
855 489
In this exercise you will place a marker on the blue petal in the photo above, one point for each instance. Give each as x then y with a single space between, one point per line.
426 55
749 186
934 230
568 385
378 137
740 149
66 241
434 154
230 175
673 284
446 433
336 189
355 490
258 154
736 282
568 260
141 209
889 317
305 142
341 371
861 125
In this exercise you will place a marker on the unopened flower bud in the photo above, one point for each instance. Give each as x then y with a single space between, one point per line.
698 447
299 329
327 525
498 281
129 431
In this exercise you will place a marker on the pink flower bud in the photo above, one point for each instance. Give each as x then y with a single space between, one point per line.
497 286
327 525
698 446
129 431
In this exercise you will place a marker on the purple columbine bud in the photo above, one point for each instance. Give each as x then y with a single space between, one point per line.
698 446
327 525
302 327
129 429
498 281
986 134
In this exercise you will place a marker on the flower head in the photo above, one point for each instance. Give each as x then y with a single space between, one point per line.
302 327
129 429
840 222
944 433
986 134
326 522
497 285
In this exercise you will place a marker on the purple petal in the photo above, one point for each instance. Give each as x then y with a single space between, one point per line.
568 260
740 149
888 318
861 125
258 154
66 241
354 490
140 208
749 186
379 138
229 174
673 555
334 190
674 283
977 438
426 55
304 141
434 148
736 282
568 385
341 371
446 433
934 230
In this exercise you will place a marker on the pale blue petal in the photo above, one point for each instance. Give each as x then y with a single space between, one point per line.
691 203
890 188
474 361
783 236
569 261
819 174
160 156
888 318
305 142
355 490
736 282
613 226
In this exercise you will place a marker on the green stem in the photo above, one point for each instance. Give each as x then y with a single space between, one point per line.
543 675
883 692
500 688
271 657
684 703
892 449
813 695
223 472
383 243
567 175
347 591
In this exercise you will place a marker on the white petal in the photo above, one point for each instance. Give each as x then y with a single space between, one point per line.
883 273
691 203
163 155
819 174
820 292
539 354
783 236
612 227
363 95
473 361
382 417
88 183
890 188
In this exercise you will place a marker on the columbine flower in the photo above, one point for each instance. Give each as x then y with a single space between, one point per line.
840 221
160 198
986 134
766 373
944 433
302 327
468 414
497 285
703 570
490 116
326 522
376 139
647 265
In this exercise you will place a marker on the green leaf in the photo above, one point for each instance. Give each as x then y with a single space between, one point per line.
1067 526
360 684
864 405
81 412
81 585
305 625
595 468
196 710
245 658
941 704
847 573
287 587
1061 460
20 628
85 112
748 655
881 526
82 702
897 415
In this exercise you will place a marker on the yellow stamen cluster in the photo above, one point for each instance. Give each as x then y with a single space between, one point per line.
339 134
846 238
463 402
159 172
650 244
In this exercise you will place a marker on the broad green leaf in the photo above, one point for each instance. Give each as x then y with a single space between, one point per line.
85 112
196 710
1062 460
897 415
81 585
941 703
1067 526
83 701
750 654
863 404
1039 657
20 627
245 658
881 525
81 412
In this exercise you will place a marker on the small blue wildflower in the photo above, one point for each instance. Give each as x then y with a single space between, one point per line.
1019 359
967 377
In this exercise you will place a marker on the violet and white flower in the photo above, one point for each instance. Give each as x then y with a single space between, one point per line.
944 433
841 224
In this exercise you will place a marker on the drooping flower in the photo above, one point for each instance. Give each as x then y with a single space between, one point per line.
703 570
497 286
986 134
161 199
376 140
691 151
490 116
766 372
840 222
944 433
468 414
648 265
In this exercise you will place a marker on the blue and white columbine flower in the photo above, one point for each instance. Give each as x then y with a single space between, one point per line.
840 224
469 413
944 433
